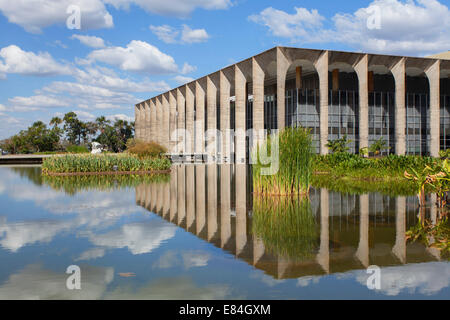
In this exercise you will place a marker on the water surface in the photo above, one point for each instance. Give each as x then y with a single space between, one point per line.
199 234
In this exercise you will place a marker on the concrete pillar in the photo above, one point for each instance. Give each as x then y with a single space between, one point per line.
153 121
362 253
282 68
435 252
258 103
172 121
159 198
282 266
211 110
200 201
181 194
399 249
190 197
240 115
322 69
153 198
173 193
225 87
241 207
148 123
225 205
362 70
165 121
211 172
434 74
323 257
200 117
159 121
181 124
189 119
399 73
137 132
258 250
166 200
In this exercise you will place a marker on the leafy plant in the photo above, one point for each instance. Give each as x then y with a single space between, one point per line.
339 145
145 149
378 146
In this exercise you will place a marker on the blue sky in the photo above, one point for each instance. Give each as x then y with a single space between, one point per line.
129 50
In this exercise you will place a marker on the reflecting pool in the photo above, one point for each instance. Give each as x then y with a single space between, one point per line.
199 233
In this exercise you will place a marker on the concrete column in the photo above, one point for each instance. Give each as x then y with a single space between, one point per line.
190 198
225 205
211 106
172 121
258 250
399 73
362 253
153 122
181 194
241 207
137 195
434 74
189 119
159 198
200 118
136 121
200 201
399 249
166 200
362 70
323 257
159 120
211 172
148 196
165 121
148 123
282 68
435 252
258 103
225 88
154 197
181 124
240 115
173 193
322 69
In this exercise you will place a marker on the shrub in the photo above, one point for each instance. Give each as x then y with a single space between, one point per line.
145 149
77 149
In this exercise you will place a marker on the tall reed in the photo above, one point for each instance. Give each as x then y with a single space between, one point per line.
295 164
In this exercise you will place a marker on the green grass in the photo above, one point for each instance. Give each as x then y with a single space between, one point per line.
286 226
77 149
102 163
295 164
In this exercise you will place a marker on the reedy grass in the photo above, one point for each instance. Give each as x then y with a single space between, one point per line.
295 164
102 163
286 226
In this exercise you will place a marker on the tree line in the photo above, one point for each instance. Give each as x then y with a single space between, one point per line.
70 133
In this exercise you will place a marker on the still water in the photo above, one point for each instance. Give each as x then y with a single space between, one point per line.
200 234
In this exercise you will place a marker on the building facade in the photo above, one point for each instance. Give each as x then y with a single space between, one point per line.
366 97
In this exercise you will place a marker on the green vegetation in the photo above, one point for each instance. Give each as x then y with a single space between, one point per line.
145 149
74 184
77 149
338 145
295 161
432 235
286 226
102 163
378 146
69 132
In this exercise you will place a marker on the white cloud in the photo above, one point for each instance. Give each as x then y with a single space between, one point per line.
85 116
90 41
415 27
189 35
91 254
165 33
170 34
36 102
122 117
178 8
15 60
33 15
138 56
182 79
187 68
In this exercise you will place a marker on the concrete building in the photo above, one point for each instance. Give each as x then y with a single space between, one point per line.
404 100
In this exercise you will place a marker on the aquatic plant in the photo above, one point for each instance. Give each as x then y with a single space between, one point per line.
433 235
338 145
102 163
145 149
295 155
286 226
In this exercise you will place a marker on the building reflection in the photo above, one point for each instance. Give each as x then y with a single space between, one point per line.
215 203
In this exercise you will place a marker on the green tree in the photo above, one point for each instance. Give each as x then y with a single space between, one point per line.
74 128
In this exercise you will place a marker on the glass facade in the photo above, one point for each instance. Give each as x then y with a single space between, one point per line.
417 124
270 112
382 119
343 117
445 122
303 109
